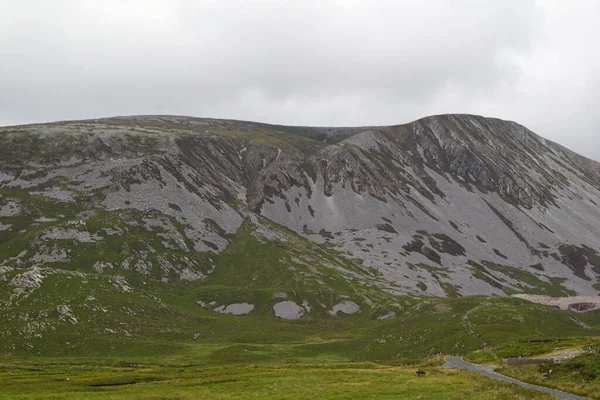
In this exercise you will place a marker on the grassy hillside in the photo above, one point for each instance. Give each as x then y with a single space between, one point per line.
121 285
123 310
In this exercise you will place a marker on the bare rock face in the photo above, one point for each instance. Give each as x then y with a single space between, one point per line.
345 307
288 310
235 309
448 205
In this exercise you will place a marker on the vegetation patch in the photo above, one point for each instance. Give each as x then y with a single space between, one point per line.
575 258
499 254
535 285
445 244
386 228
450 290
579 375
538 266
455 226
481 273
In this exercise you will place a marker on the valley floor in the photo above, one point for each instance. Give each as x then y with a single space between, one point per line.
70 379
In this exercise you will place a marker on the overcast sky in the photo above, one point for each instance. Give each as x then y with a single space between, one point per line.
305 62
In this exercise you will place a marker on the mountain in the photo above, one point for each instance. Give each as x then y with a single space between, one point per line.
122 225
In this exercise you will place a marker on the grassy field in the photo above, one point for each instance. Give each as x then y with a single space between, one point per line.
579 375
73 379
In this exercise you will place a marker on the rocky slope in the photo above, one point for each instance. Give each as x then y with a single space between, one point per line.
448 205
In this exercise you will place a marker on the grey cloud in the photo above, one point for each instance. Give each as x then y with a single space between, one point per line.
304 62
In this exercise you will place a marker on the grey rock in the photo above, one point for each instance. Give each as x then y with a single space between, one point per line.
235 309
288 310
345 307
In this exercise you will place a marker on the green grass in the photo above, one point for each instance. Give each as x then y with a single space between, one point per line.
71 379
580 375
536 285
529 348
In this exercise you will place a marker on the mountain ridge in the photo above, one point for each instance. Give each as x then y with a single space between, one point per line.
397 179
358 128
121 233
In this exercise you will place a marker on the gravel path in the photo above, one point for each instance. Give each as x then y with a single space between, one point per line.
488 371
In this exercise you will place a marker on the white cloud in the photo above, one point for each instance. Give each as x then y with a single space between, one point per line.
307 62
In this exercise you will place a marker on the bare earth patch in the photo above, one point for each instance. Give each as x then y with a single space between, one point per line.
572 303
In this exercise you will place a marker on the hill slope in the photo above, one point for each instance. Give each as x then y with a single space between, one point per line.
118 233
447 205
